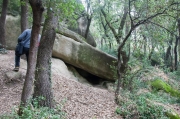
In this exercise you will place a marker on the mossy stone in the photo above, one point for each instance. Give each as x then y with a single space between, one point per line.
159 84
172 115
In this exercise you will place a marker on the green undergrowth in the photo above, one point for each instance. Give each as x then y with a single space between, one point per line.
149 97
137 106
36 112
40 113
159 84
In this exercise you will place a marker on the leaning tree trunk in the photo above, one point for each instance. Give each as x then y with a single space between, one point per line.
119 79
43 74
122 66
24 16
37 9
2 24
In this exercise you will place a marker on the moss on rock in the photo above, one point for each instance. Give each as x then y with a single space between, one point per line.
172 115
159 84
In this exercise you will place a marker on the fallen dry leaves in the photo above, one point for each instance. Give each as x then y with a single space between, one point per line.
78 100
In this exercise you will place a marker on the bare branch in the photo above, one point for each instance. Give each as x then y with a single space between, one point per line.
162 27
123 20
110 26
132 24
140 22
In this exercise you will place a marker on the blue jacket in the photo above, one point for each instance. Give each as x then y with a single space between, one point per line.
25 36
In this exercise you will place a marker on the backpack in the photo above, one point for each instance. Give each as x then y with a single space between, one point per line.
19 47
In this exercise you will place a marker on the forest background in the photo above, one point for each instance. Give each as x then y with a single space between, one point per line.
139 33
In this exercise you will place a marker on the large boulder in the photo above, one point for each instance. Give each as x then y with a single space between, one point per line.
85 57
13 30
60 68
72 48
81 30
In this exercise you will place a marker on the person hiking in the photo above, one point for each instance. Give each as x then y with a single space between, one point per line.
23 47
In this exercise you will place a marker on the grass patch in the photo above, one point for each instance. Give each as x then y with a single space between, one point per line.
36 112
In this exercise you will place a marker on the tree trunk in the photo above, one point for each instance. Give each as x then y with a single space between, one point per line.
119 78
89 18
176 54
168 56
102 42
37 9
24 16
110 45
87 28
179 38
145 44
43 74
152 51
2 24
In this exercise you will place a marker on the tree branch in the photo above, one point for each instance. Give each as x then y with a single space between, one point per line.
110 26
133 26
162 27
123 20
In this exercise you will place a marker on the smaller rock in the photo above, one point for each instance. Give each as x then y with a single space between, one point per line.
12 76
108 85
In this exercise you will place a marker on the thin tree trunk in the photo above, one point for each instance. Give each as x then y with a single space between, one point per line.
89 18
43 74
119 78
168 54
24 16
176 54
121 66
152 51
179 39
102 42
145 44
87 28
37 9
2 24
110 44
129 44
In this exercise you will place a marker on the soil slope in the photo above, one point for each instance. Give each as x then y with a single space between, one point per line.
80 101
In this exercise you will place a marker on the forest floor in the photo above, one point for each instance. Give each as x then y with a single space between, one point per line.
79 101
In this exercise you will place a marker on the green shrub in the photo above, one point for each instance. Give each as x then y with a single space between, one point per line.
30 112
138 107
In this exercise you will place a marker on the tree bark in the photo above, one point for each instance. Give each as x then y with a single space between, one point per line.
152 51
89 18
43 72
37 9
24 16
88 26
176 54
145 44
168 55
179 39
2 24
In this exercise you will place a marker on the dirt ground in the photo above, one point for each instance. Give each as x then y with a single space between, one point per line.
80 101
